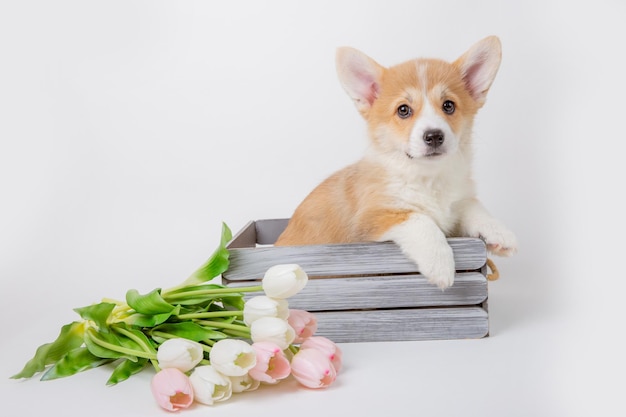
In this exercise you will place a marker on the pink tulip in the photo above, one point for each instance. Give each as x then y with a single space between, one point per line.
304 323
271 363
313 369
326 346
171 389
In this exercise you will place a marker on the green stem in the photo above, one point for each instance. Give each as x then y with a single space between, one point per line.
141 343
167 295
255 288
163 335
237 333
206 344
210 314
221 325
120 349
147 348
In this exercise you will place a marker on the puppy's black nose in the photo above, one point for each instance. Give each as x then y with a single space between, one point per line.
434 138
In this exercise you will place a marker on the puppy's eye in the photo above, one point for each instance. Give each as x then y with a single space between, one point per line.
404 111
448 107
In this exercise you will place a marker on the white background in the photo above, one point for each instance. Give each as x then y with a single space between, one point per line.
130 130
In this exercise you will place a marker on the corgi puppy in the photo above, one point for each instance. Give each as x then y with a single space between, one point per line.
414 184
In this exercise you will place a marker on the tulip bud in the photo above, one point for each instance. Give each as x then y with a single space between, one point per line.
313 369
273 330
271 363
284 281
263 306
171 389
209 386
327 347
182 354
232 357
304 324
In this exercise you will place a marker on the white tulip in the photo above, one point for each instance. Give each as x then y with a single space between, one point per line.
182 354
232 357
209 386
263 306
284 281
244 383
274 330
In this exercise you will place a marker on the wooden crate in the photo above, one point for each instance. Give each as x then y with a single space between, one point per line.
369 292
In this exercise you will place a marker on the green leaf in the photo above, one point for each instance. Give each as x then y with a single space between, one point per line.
126 369
216 264
70 337
235 301
98 313
143 320
188 330
75 361
106 345
149 304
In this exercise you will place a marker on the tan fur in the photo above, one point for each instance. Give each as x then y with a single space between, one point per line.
347 207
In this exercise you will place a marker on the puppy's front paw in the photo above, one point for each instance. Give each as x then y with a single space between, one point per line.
424 243
438 265
499 240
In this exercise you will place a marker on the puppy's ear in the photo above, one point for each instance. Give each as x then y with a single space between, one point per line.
360 76
479 66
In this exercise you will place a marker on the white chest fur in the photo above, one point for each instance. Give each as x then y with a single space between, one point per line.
432 188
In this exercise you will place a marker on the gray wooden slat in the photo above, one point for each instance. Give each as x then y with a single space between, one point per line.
344 259
269 230
249 262
395 291
403 324
244 238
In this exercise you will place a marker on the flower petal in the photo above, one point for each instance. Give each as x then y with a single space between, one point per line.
304 324
244 383
326 346
209 385
313 369
171 389
284 281
271 363
263 306
182 354
274 330
232 357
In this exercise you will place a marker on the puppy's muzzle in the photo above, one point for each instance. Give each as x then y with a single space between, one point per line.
433 138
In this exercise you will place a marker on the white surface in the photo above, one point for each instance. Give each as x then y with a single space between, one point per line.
130 130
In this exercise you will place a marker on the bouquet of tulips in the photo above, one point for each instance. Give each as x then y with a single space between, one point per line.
204 340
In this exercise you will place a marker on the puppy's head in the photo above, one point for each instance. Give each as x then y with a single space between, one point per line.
422 109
